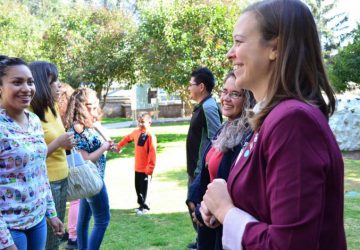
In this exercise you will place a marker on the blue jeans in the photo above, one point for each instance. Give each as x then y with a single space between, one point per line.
98 206
30 239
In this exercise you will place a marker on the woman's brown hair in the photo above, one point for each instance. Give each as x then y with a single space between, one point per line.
299 71
77 111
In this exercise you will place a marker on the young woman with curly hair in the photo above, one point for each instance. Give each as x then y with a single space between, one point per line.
81 117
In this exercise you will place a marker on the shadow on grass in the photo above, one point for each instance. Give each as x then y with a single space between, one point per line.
178 176
149 231
128 150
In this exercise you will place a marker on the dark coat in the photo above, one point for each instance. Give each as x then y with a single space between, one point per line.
211 238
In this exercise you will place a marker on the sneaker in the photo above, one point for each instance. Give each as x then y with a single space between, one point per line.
137 209
192 245
142 211
71 244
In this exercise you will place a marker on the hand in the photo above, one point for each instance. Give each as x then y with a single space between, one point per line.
57 226
106 145
66 140
196 220
12 247
208 218
115 149
191 206
217 199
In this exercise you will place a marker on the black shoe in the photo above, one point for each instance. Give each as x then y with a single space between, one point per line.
192 245
145 207
65 237
71 244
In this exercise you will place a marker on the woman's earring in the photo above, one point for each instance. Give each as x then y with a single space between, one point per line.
272 56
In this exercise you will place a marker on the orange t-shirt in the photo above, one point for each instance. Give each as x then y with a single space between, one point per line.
145 149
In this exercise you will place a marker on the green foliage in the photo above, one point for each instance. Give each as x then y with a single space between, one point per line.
20 32
331 26
345 65
174 39
91 46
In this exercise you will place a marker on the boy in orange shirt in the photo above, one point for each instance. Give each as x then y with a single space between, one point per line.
145 158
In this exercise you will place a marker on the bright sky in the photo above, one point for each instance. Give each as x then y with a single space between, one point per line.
352 7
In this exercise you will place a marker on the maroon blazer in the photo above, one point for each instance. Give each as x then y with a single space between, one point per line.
290 177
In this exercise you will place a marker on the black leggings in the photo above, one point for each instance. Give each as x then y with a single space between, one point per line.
141 187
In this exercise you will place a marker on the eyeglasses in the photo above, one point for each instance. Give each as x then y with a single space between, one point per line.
191 84
233 94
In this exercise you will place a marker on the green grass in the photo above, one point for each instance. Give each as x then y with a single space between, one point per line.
168 226
153 231
107 120
352 203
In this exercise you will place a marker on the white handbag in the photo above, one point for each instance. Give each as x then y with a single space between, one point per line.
84 179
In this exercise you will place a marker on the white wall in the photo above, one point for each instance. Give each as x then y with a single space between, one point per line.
345 122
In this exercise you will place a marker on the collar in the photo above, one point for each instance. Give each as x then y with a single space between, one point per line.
202 101
259 106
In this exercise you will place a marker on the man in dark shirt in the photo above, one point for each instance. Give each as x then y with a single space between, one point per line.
205 122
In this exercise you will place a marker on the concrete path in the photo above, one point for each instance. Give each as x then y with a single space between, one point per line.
130 124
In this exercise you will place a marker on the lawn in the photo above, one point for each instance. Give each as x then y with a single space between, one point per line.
107 120
168 226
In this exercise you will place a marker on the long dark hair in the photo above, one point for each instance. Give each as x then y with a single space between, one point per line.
44 74
299 71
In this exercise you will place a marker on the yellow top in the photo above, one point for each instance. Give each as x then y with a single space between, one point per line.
56 163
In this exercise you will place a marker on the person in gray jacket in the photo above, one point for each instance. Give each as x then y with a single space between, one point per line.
205 121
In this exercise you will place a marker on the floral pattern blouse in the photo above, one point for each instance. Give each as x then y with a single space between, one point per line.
25 194
90 140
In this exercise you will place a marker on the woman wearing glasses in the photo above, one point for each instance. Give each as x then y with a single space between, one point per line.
220 154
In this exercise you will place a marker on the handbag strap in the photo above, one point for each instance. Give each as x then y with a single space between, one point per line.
72 159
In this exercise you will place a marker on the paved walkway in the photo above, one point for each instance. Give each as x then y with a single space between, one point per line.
130 124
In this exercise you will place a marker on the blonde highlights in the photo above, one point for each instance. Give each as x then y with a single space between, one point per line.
77 111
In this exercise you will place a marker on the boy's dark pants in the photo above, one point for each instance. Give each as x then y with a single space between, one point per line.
141 187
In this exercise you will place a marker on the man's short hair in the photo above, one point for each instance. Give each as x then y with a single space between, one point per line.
205 76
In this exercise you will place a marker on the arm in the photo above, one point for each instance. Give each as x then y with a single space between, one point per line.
295 182
54 222
65 141
94 156
83 144
298 159
152 155
194 194
6 241
212 118
128 138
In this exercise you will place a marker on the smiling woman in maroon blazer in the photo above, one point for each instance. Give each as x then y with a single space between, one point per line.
285 190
